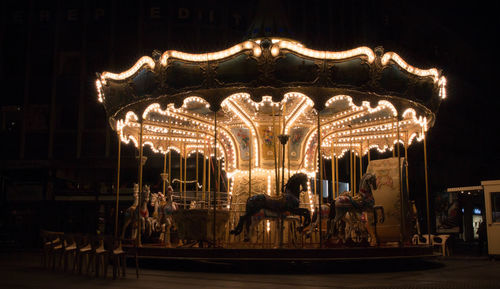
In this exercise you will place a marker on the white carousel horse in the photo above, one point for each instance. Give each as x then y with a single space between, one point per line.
167 208
194 205
130 214
154 220
144 211
348 208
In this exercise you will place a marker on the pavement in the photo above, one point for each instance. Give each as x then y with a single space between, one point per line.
23 270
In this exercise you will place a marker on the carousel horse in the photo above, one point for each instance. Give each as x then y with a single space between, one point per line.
167 208
326 214
289 202
349 208
154 220
144 218
130 214
194 205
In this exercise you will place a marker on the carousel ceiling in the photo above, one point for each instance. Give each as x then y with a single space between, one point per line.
264 87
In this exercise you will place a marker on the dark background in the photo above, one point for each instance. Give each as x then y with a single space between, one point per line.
56 144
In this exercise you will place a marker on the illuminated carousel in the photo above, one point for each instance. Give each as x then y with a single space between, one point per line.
252 116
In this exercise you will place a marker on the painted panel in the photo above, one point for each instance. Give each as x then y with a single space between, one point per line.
267 142
297 135
388 196
242 136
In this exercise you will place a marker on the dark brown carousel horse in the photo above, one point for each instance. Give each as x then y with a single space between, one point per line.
289 201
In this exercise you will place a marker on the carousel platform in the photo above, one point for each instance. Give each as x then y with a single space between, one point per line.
281 254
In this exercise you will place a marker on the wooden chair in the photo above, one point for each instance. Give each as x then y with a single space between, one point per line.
68 251
117 256
421 239
82 252
49 241
98 256
57 248
440 241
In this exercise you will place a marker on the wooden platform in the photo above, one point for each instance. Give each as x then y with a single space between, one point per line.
306 254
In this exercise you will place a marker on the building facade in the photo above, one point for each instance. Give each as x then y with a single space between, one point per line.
58 153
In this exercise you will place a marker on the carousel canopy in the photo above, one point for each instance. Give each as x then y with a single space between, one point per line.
272 67
268 86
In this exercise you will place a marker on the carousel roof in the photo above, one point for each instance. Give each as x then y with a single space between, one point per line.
366 98
272 67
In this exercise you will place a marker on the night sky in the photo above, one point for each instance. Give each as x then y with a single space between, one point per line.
458 38
455 37
463 144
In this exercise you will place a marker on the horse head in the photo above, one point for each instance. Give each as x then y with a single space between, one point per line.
373 181
155 199
369 181
145 193
161 198
167 197
304 179
297 184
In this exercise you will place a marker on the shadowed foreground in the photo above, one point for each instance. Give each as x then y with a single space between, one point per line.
23 270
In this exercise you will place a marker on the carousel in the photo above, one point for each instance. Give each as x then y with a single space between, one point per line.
261 120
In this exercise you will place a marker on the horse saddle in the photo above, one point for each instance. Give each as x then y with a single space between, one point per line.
144 213
168 210
268 214
346 200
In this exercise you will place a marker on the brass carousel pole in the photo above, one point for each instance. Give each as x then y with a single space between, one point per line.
164 179
283 140
204 182
280 185
350 163
209 168
169 166
170 154
185 174
350 171
401 195
354 175
140 182
393 148
217 183
320 196
138 236
288 155
276 179
369 153
334 193
360 161
118 183
250 169
180 175
426 184
406 164
196 185
337 175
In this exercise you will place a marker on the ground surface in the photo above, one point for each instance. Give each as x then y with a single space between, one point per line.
23 270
